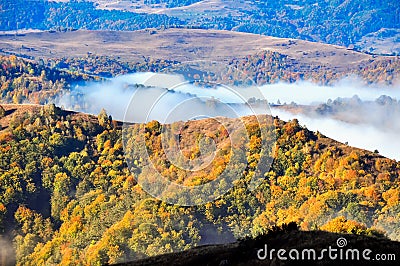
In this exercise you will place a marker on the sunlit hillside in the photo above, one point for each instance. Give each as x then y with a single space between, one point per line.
68 195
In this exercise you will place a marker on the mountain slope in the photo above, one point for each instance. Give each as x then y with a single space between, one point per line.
242 56
334 22
67 193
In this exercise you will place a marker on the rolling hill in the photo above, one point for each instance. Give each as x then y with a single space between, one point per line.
241 56
81 189
67 193
334 22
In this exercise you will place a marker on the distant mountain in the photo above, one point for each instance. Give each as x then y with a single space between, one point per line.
60 16
331 21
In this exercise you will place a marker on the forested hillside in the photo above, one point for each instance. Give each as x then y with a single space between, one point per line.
23 81
264 67
330 21
67 195
270 67
28 81
49 15
83 189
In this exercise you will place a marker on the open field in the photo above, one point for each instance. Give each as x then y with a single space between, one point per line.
177 44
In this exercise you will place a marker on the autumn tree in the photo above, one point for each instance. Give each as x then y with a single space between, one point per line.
2 112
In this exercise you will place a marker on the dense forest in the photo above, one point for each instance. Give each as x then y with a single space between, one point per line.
74 186
49 15
264 67
271 67
68 196
109 66
23 81
330 21
68 181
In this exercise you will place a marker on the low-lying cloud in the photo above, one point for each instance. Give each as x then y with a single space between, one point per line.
167 98
362 121
364 136
304 92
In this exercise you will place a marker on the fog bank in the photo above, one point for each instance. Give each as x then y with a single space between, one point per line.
144 97
364 136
